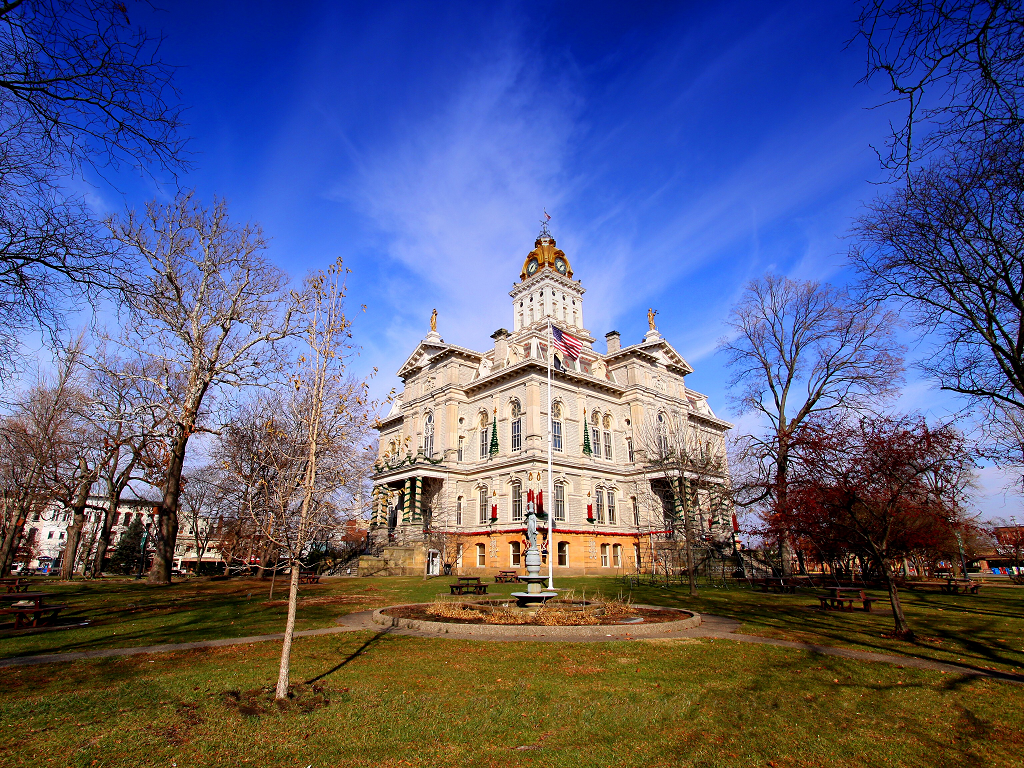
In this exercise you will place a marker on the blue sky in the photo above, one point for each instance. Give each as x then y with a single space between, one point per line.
681 149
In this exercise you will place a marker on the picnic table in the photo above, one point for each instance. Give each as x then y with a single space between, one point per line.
34 613
468 584
309 577
776 585
843 598
506 577
954 586
15 585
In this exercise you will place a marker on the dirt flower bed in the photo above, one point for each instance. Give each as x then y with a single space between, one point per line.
563 612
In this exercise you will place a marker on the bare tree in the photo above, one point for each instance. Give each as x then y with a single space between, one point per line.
37 451
797 349
954 66
123 408
308 441
686 475
81 89
948 247
207 309
199 497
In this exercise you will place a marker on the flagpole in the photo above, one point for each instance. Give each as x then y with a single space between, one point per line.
551 499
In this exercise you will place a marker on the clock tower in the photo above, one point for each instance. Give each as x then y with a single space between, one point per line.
546 290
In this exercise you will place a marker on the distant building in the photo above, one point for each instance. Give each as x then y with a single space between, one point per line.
466 443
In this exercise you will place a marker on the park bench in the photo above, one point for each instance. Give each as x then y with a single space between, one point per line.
506 577
35 613
469 584
308 577
960 586
843 598
776 585
15 585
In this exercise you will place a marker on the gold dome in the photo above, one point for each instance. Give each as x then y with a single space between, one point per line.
547 256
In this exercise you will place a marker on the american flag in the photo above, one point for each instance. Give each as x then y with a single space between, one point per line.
569 345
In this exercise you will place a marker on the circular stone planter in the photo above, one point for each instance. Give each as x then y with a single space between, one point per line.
687 620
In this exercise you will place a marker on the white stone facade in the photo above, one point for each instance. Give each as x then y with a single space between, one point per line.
437 470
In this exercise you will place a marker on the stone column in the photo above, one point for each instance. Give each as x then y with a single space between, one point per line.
417 511
407 501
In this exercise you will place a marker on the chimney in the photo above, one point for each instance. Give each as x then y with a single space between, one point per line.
500 337
614 342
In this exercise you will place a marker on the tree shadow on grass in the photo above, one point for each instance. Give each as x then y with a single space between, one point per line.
377 637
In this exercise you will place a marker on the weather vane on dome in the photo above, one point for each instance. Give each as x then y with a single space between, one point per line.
544 231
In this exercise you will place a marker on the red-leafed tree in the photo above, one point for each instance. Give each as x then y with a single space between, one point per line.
879 487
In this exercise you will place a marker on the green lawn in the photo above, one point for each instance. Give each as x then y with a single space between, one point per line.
424 702
985 630
416 701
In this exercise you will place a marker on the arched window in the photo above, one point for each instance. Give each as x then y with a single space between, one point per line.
599 505
517 426
458 511
608 437
560 502
481 555
662 436
556 427
428 435
484 442
611 507
517 502
563 553
595 433
462 440
604 556
482 498
514 554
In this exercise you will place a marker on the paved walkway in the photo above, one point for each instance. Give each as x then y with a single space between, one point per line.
713 627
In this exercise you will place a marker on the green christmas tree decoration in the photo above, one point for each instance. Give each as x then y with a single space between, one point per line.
494 436
587 450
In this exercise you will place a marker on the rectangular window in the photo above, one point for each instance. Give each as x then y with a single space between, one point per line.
517 435
483 505
604 555
636 512
629 449
559 503
617 555
483 443
595 439
481 555
462 440
517 503
608 445
458 511
563 553
611 507
50 535
599 505
513 554
556 435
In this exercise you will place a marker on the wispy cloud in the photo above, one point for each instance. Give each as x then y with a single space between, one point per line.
458 197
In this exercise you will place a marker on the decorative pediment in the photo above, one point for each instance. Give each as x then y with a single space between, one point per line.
427 351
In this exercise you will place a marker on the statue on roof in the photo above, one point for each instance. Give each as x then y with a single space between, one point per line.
433 320
650 318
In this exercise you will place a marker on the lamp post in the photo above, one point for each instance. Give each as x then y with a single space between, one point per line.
142 550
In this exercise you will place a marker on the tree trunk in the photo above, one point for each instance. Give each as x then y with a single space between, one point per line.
103 539
67 566
265 559
289 632
688 536
901 629
167 515
12 540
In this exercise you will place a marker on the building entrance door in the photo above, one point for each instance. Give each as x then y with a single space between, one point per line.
433 563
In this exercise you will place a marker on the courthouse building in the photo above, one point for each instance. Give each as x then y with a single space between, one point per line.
465 445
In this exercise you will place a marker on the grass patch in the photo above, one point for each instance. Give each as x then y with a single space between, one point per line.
414 701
